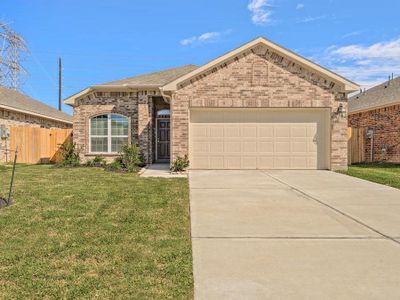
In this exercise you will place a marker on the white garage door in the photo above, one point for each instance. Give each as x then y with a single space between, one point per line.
259 139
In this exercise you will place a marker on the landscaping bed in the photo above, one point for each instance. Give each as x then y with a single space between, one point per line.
87 233
383 173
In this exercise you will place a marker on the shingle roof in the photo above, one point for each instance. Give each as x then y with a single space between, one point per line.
15 100
158 79
381 95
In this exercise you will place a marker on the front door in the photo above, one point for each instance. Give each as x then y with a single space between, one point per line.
163 144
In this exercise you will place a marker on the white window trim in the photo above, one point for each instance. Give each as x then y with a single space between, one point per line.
109 136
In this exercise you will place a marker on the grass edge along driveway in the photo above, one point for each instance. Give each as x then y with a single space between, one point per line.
383 173
87 233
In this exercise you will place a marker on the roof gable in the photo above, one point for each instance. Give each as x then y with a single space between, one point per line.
348 86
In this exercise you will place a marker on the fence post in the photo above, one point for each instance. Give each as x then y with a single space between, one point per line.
12 176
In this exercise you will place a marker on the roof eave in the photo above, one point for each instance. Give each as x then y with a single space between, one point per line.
35 114
116 87
365 109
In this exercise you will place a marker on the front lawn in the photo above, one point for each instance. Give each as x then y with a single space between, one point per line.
383 173
87 233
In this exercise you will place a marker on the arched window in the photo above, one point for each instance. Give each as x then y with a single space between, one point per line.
164 113
108 133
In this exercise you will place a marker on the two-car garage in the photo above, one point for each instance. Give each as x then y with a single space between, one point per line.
293 138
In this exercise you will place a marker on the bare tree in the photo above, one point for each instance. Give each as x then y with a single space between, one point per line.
12 50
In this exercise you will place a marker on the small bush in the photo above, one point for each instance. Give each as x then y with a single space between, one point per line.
69 155
98 161
115 166
180 164
130 157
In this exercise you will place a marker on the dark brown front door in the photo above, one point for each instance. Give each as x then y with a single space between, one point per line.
163 130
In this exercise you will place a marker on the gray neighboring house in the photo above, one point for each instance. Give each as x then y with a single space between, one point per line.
17 109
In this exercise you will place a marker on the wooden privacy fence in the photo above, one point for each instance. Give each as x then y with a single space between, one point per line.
356 145
38 145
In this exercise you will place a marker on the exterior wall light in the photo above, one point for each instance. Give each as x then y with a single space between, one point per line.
340 111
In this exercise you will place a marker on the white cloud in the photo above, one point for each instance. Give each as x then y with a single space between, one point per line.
312 19
204 38
188 41
351 34
260 14
367 65
382 50
300 6
209 36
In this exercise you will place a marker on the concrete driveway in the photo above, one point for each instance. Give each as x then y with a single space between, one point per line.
293 235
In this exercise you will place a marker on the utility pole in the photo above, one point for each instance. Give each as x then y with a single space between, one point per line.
59 84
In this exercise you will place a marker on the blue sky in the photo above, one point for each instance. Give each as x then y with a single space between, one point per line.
104 40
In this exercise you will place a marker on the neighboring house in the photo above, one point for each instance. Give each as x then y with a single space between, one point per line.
257 107
378 110
16 109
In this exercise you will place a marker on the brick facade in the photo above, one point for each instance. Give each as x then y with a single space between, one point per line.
259 78
386 125
11 118
137 106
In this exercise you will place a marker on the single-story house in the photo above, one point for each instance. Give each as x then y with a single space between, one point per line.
259 106
17 109
377 110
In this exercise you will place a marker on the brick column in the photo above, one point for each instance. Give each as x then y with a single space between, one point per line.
339 141
144 130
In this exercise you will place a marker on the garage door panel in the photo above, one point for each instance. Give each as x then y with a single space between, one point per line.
232 131
282 162
217 147
216 131
201 147
300 131
265 131
282 131
249 132
249 146
232 162
249 162
266 147
299 162
233 147
262 139
265 162
282 146
200 131
299 147
217 162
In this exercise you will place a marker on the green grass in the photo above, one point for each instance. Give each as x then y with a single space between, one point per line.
383 173
87 233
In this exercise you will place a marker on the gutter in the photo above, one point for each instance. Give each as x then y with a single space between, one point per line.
361 110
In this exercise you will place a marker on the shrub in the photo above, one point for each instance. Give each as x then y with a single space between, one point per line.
97 161
69 155
115 166
130 157
180 164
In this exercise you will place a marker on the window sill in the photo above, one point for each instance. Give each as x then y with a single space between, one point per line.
102 154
